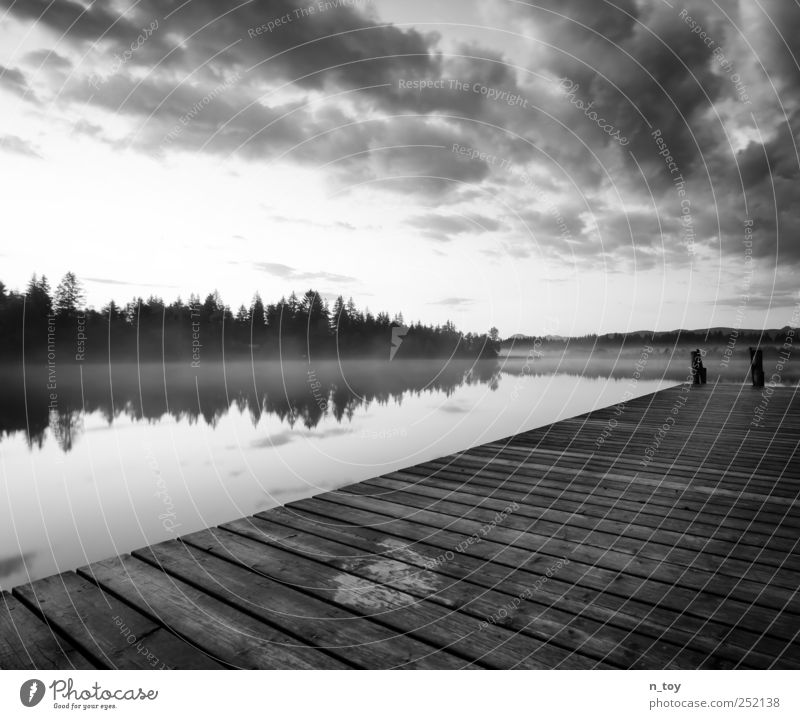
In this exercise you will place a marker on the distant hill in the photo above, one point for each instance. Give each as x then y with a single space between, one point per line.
712 335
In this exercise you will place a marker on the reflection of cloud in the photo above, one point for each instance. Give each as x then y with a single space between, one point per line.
11 565
454 409
332 432
278 440
275 440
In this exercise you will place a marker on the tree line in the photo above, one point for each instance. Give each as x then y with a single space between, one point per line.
39 321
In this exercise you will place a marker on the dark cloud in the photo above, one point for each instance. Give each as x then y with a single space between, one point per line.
578 34
326 92
217 118
339 47
47 60
773 27
337 50
442 228
770 174
412 155
69 19
14 80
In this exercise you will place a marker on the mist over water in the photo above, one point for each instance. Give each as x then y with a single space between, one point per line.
134 454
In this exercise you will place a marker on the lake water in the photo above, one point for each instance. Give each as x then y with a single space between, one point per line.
120 459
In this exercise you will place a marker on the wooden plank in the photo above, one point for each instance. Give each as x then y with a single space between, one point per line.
449 629
689 591
551 626
718 508
514 569
588 629
725 556
227 634
625 454
351 638
26 642
724 538
691 569
589 470
575 459
779 576
115 635
757 499
597 499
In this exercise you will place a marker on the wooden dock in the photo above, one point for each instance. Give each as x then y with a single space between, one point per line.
673 543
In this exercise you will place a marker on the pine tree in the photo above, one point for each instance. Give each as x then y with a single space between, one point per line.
69 296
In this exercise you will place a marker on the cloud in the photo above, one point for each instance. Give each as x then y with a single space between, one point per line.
17 145
14 81
454 302
47 60
311 223
778 299
329 92
339 47
107 281
777 289
442 228
290 273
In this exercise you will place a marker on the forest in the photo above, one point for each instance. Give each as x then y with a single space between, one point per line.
40 323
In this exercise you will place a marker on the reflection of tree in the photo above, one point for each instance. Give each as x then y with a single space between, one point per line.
66 427
152 392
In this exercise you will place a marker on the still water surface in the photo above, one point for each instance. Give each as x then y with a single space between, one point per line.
144 453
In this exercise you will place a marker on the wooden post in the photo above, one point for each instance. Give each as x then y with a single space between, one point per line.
756 367
698 370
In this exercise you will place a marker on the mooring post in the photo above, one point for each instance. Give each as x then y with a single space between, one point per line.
757 367
698 370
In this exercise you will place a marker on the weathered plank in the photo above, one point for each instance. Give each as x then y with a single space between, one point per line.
107 629
351 638
27 642
227 634
516 570
445 627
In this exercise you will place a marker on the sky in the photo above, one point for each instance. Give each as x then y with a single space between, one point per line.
559 166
